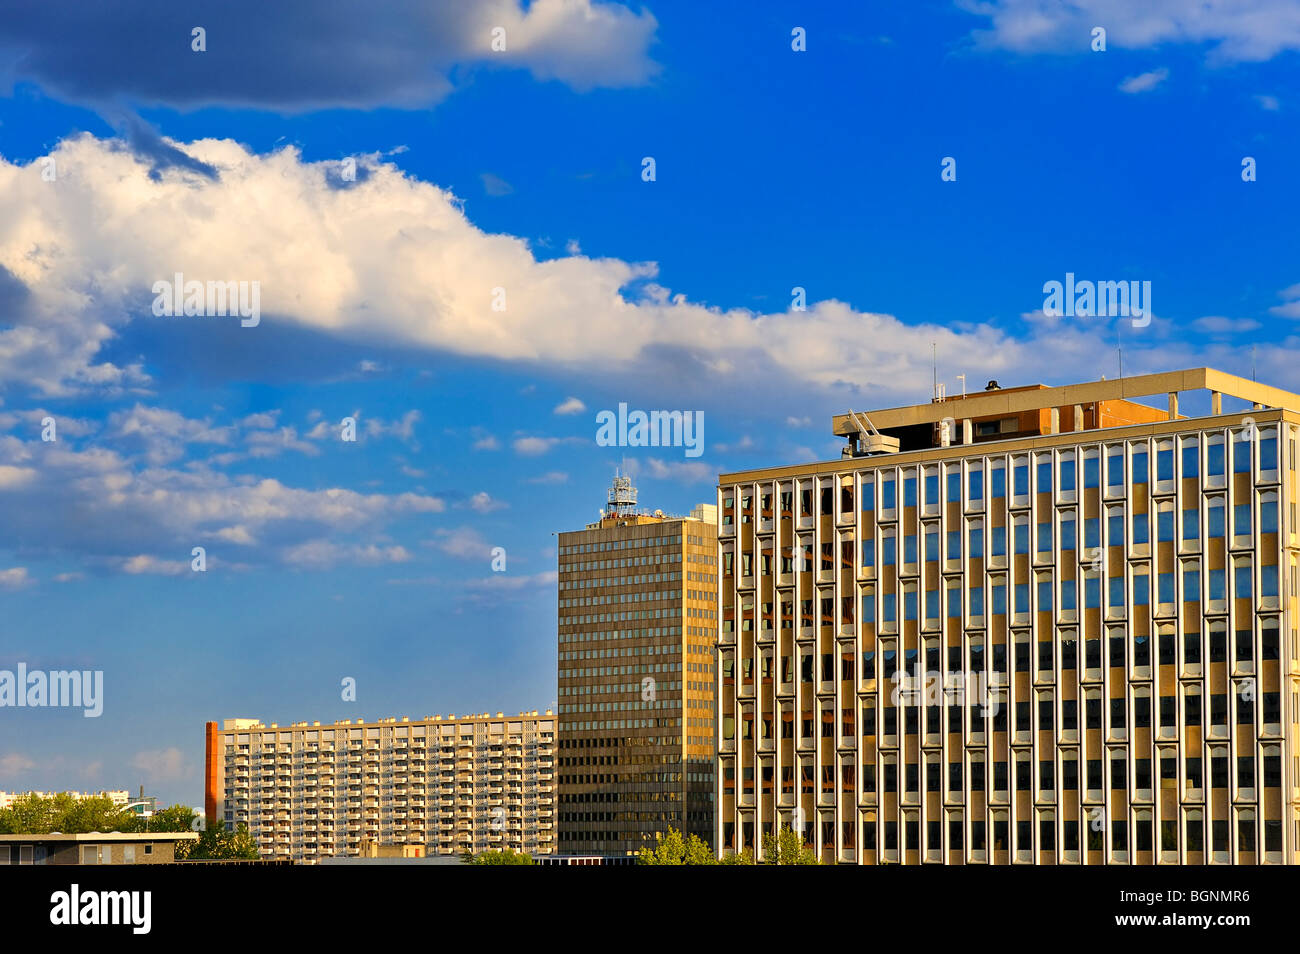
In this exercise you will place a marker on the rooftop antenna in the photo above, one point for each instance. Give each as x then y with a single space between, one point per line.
622 496
1119 346
1252 363
934 371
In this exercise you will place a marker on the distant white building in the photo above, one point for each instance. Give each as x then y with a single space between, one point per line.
120 798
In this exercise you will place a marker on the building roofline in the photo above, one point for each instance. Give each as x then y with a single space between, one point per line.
105 836
928 454
1018 400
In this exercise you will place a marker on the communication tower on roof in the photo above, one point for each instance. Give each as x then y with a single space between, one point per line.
622 497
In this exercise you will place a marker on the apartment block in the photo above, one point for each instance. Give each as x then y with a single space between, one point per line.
449 785
1031 625
637 625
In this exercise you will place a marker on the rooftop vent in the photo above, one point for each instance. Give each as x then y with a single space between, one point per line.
993 386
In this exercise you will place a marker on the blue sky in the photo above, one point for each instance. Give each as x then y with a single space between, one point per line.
521 170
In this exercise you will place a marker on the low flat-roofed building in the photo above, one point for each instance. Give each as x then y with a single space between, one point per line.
93 848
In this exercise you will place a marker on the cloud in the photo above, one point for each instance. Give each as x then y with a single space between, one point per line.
1234 30
1219 325
495 185
550 477
487 442
163 434
271 443
465 542
1144 82
402 429
161 765
1269 103
476 589
687 472
389 239
33 420
117 510
297 55
505 581
15 578
483 502
570 406
798 421
144 563
15 763
237 534
535 446
1288 309
324 554
12 478
745 443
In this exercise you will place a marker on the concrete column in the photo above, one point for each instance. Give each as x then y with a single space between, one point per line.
1216 402
1078 417
1173 405
1054 421
967 432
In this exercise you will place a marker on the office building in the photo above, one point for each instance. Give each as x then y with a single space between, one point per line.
1030 625
309 791
637 625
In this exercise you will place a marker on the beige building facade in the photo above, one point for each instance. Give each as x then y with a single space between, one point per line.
445 785
637 618
1037 626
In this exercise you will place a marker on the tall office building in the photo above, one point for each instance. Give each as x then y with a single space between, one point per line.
637 628
1030 625
309 791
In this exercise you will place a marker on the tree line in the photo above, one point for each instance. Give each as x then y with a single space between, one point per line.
33 814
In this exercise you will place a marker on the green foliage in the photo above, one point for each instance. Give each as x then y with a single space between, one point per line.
787 847
172 818
218 843
745 857
34 815
672 849
506 856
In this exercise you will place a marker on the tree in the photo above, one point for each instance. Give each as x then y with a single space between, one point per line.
506 856
33 814
745 857
90 814
172 818
219 843
672 849
787 848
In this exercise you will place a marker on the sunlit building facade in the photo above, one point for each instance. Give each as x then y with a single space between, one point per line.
637 618
309 791
1034 625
